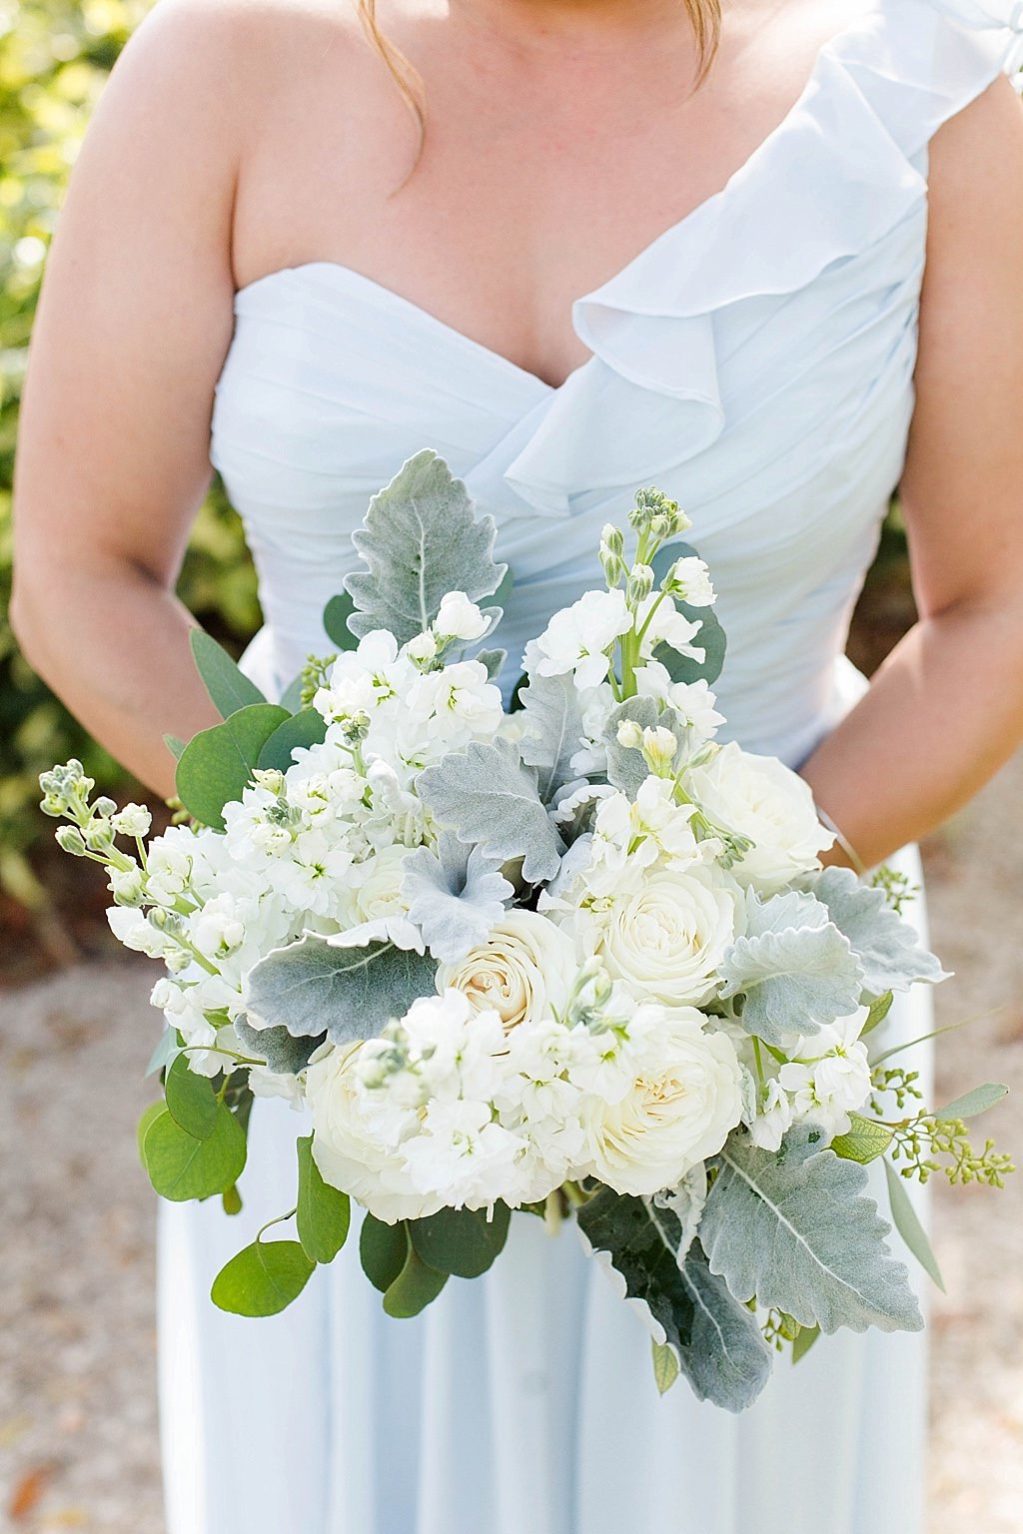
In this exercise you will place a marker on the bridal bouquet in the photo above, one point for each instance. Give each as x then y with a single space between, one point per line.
576 958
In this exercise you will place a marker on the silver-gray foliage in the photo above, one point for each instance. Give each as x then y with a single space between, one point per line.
283 1053
421 539
885 943
311 987
552 723
717 1341
793 967
793 1229
454 894
489 798
627 768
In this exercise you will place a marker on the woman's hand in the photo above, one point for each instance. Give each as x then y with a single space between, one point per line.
946 708
133 326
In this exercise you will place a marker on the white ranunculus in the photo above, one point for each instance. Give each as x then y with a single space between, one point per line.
663 931
523 972
685 1099
761 798
348 1153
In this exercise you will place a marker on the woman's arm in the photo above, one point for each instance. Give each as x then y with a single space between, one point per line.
133 325
946 708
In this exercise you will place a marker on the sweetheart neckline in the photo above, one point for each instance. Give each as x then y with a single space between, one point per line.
342 271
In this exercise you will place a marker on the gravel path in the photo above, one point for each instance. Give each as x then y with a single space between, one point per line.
78 1448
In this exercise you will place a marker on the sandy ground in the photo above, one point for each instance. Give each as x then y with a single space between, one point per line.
78 1433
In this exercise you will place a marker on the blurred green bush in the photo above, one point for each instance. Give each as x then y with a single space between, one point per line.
54 59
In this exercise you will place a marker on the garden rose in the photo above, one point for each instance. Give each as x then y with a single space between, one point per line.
523 972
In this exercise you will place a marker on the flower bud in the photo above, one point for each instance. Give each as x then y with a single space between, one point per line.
133 820
630 734
127 885
70 839
269 778
640 585
423 648
99 835
660 749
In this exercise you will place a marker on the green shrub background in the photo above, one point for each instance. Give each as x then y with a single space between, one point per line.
54 59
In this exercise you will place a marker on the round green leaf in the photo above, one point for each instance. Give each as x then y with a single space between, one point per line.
191 1100
666 1366
262 1279
710 639
415 1286
382 1251
461 1241
324 1213
306 728
865 1140
149 1117
217 764
181 1167
335 621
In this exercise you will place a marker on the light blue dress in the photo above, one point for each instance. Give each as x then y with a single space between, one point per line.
756 362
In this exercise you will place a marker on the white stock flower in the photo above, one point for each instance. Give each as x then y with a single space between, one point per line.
523 972
458 618
579 638
693 701
689 580
663 931
666 625
685 1098
829 1075
761 798
133 820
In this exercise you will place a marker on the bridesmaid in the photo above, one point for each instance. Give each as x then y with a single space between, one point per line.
766 256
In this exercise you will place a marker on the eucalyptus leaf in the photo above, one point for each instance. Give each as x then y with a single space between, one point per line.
149 1116
291 697
907 1223
415 1286
793 1230
324 1213
793 967
182 1168
312 987
421 539
191 1100
262 1279
877 1012
488 797
465 1242
455 894
665 1362
972 1104
217 764
283 1054
864 1141
716 1340
228 686
552 730
886 945
382 1251
335 621
231 1200
804 1341
304 729
175 745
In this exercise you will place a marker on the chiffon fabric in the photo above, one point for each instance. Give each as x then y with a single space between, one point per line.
756 362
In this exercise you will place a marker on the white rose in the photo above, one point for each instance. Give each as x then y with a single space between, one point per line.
347 1152
458 618
664 931
761 798
683 1102
523 972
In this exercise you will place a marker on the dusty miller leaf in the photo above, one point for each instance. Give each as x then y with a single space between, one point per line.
627 768
455 894
793 1229
886 945
794 967
488 797
717 1341
311 987
284 1054
552 720
421 539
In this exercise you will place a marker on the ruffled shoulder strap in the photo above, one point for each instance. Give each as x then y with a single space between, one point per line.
922 61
